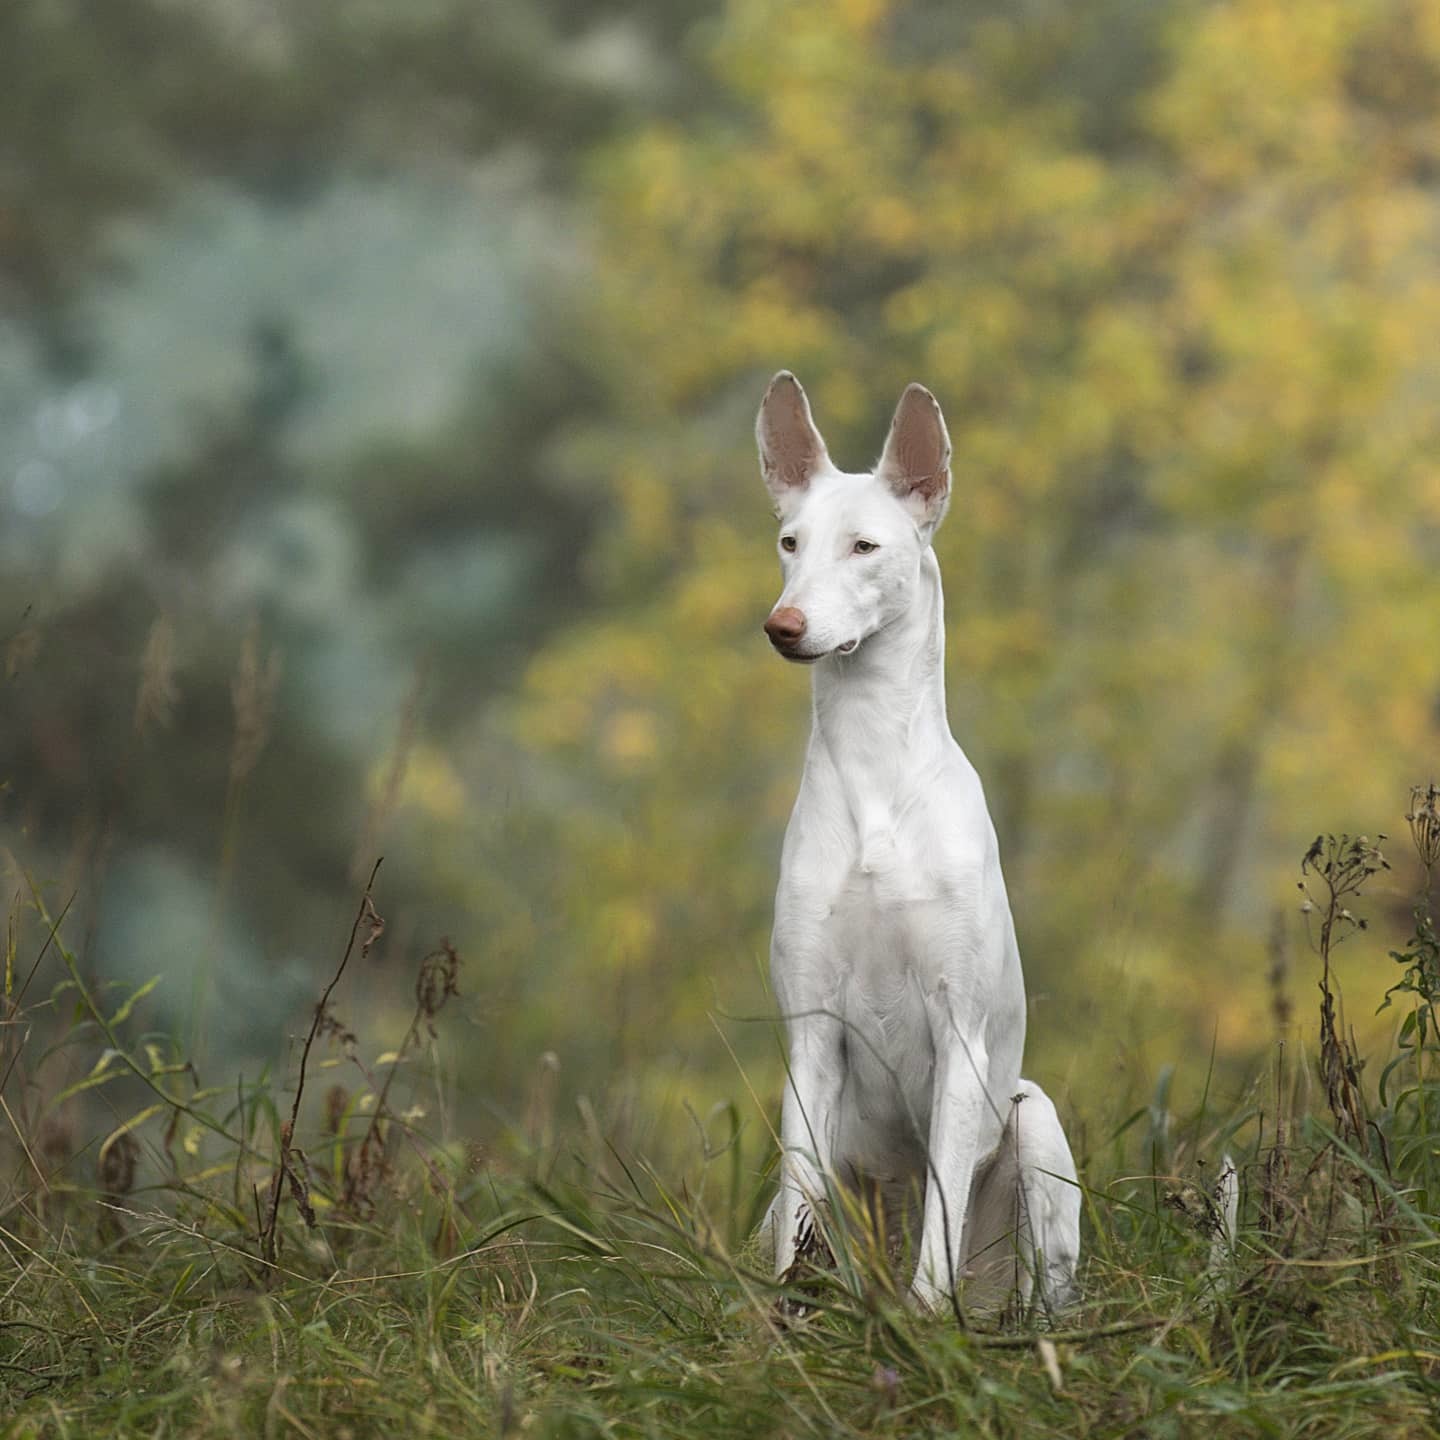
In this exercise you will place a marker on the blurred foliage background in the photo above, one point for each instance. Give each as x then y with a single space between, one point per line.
376 475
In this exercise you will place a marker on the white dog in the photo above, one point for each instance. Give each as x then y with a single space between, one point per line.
894 959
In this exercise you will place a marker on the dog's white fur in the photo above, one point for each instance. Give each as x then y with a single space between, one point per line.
894 959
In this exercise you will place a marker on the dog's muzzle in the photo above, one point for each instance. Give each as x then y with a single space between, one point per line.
786 629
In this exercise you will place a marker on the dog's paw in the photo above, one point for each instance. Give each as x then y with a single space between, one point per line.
812 1245
812 1258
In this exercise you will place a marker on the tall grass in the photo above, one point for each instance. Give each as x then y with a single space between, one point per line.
287 1256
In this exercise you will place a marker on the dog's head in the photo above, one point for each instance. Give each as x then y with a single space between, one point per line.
850 545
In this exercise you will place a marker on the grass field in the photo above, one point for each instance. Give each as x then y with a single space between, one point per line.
206 1270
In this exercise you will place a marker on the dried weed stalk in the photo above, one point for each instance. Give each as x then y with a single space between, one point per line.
1334 871
322 1022
434 985
1419 1033
1424 819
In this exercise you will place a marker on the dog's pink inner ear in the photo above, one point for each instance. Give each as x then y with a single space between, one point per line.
917 452
791 449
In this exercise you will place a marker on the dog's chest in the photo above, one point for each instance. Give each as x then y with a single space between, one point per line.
886 893
890 911
886 948
889 934
891 903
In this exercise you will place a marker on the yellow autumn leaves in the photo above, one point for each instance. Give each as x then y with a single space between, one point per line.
1181 310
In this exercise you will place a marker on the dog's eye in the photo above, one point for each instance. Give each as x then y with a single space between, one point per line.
864 547
787 543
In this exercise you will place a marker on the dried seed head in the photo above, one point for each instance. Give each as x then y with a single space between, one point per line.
374 925
117 1165
252 692
334 1028
435 983
337 1101
1424 818
364 1172
56 1143
300 1187
156 697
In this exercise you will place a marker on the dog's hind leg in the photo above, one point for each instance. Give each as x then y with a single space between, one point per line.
1023 1224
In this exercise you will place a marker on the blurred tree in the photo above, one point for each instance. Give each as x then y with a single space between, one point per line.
207 212
1180 313
106 109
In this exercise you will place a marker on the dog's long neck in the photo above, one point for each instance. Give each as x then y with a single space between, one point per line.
880 727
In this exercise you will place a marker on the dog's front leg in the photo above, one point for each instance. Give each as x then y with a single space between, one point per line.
807 1128
957 1117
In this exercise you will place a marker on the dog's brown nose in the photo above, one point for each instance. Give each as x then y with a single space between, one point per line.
785 626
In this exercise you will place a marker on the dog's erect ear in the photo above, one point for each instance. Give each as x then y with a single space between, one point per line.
916 462
791 449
